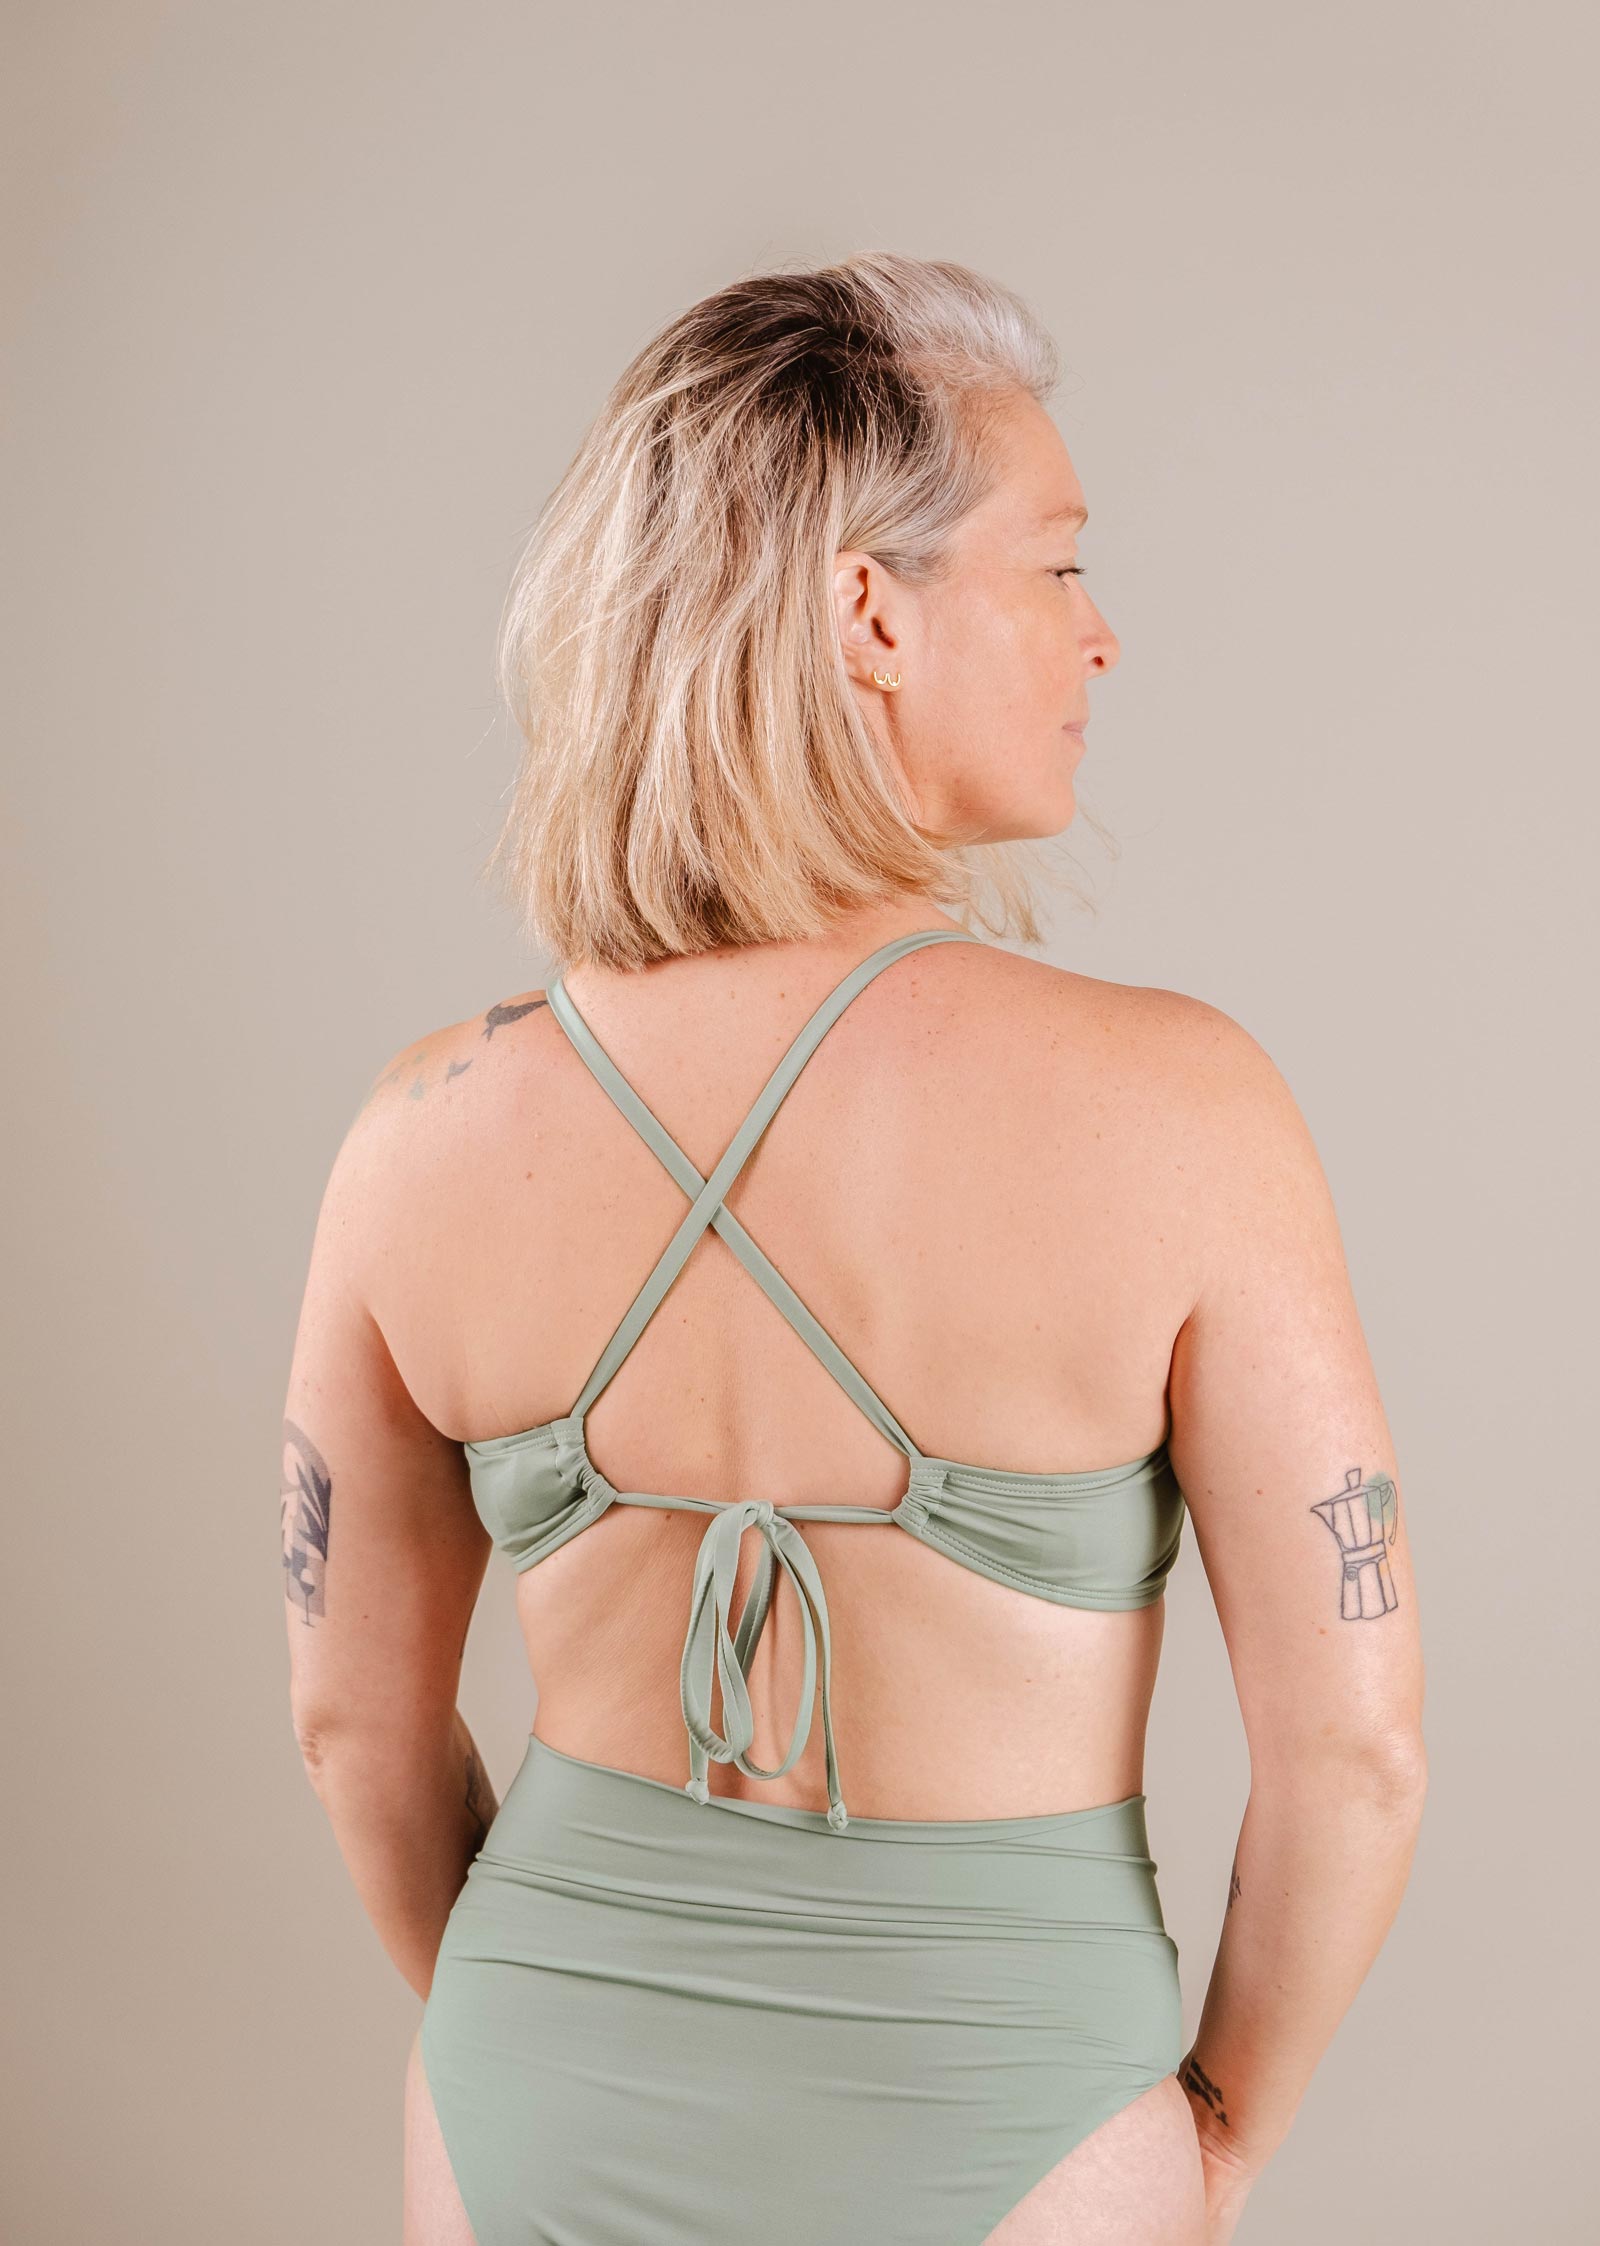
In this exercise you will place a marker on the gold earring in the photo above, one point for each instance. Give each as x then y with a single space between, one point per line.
885 678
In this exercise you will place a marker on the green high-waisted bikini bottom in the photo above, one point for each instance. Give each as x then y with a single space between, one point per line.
661 2022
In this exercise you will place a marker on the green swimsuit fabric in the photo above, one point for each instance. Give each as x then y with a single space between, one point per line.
656 2025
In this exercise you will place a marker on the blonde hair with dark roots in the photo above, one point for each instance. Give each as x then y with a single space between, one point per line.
696 771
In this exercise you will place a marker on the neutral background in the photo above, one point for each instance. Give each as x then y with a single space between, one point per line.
308 307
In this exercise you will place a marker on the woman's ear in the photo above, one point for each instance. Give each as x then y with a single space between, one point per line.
863 602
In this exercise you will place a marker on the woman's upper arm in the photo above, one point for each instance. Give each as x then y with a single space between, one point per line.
383 1553
1279 1439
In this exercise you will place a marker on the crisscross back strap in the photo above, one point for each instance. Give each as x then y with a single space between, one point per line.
706 1194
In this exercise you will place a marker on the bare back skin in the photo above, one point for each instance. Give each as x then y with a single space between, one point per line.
982 1186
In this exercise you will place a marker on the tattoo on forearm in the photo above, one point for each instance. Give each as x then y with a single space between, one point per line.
1195 2078
1365 1519
1234 1889
306 1495
481 1804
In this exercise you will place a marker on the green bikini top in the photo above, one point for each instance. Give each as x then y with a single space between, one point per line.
1097 1539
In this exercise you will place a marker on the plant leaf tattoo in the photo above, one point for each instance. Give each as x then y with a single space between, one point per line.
1365 1519
306 1494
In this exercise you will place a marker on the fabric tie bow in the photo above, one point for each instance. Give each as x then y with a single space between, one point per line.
708 1647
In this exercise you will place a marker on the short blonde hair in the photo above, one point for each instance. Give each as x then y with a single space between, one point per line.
696 771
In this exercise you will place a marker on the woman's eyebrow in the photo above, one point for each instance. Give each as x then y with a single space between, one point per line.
1078 515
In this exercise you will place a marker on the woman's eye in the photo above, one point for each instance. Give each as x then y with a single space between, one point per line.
1076 570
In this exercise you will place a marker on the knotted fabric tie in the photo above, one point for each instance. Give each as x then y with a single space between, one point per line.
709 1646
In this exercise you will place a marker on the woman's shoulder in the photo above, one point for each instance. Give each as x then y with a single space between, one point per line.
421 1116
1225 1105
1166 1029
428 1065
429 1099
1178 1062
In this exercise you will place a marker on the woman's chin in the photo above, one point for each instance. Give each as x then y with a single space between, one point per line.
1050 814
1057 807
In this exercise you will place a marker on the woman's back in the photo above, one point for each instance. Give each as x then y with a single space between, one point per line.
977 1185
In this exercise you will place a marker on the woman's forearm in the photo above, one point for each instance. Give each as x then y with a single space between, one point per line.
409 1816
1323 1858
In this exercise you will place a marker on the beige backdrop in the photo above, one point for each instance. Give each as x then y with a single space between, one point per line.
309 305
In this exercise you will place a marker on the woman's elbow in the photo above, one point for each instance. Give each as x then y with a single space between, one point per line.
1388 1769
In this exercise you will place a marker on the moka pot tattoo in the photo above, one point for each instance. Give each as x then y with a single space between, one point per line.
1365 1520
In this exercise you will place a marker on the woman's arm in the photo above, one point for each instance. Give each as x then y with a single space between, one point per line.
1281 1446
383 1558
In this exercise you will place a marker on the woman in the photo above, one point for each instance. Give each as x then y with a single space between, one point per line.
940 1240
